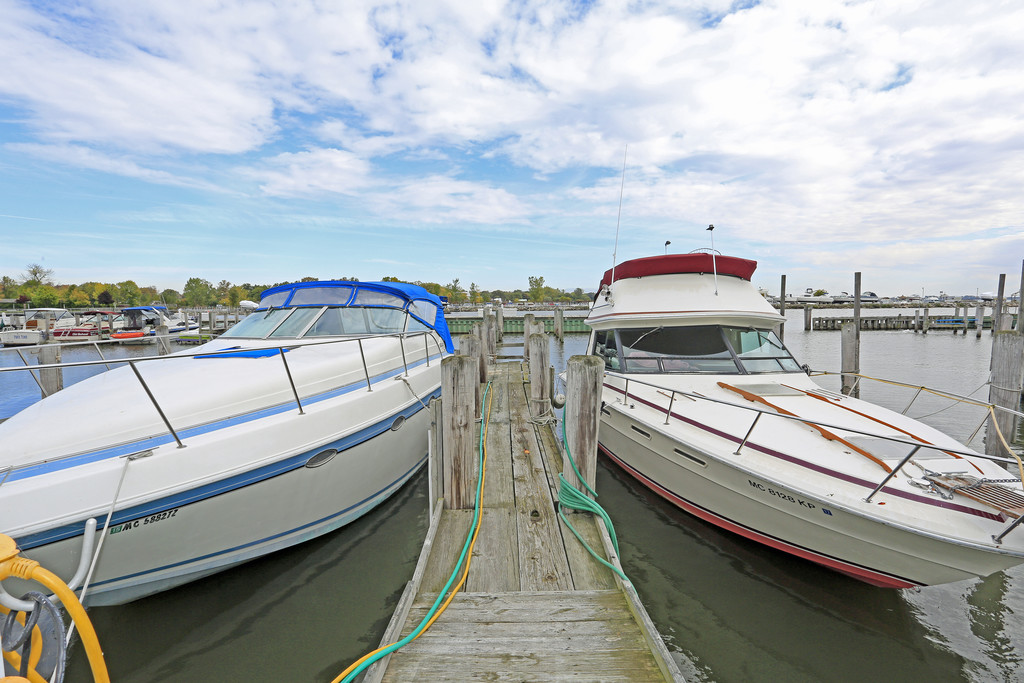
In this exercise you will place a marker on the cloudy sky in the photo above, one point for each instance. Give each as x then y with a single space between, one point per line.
255 141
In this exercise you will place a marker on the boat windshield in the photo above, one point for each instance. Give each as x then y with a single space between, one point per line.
324 322
705 349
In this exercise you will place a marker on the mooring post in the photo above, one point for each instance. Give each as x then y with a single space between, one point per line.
472 347
540 389
856 311
584 379
782 309
435 461
559 324
1005 388
924 321
979 320
459 384
490 347
851 360
527 331
997 311
499 314
51 380
808 315
163 343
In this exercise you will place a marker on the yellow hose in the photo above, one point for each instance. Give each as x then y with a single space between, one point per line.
11 565
469 557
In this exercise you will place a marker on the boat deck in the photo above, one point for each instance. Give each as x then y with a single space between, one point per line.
536 605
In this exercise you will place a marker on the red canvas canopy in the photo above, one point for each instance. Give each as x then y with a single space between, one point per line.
681 263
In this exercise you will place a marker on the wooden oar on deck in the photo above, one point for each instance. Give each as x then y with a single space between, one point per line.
750 396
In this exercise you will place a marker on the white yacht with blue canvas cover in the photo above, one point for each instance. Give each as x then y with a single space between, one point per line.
296 421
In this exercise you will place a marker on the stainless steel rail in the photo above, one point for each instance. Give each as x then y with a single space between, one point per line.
292 344
758 412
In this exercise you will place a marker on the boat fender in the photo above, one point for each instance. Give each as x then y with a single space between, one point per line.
558 401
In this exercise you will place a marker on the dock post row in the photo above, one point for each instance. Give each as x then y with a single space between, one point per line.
535 604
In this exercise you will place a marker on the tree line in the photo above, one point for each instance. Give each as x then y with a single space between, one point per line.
36 287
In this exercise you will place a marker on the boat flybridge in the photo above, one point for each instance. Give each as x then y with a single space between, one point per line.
296 421
703 404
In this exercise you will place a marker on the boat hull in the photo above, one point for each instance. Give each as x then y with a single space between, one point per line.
169 540
726 494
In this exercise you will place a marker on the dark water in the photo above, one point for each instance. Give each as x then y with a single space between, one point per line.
729 609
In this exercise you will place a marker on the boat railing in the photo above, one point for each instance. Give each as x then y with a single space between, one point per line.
403 338
914 446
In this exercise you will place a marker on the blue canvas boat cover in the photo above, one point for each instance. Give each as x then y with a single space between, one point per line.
421 304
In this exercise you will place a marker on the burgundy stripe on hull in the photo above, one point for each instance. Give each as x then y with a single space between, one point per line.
856 571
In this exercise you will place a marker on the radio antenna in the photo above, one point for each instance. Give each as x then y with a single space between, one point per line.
622 186
714 264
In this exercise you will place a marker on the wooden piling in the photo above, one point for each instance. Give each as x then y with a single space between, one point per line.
540 389
459 382
51 380
163 343
527 331
584 380
559 325
856 313
1005 387
808 314
471 347
850 360
997 311
782 309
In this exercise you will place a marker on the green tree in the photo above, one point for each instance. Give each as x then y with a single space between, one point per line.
8 287
223 287
456 293
105 298
78 299
131 295
45 296
171 297
236 294
474 293
536 288
198 292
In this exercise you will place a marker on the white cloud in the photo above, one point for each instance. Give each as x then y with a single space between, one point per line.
313 172
803 122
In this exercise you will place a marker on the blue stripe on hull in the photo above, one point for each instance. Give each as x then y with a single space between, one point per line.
223 486
189 432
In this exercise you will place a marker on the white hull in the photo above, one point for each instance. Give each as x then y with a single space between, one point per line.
798 522
21 337
245 471
705 406
169 541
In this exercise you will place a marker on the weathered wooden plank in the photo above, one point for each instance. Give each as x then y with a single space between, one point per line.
495 565
448 543
542 561
571 605
587 573
520 667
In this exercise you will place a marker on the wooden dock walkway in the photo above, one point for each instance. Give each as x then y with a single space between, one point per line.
536 606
